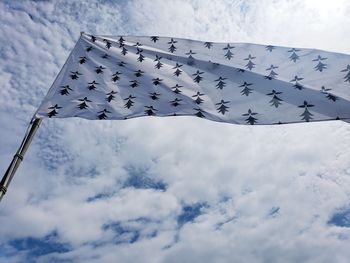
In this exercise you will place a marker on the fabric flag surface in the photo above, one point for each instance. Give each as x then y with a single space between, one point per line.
124 77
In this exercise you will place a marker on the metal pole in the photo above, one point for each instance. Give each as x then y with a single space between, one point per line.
18 157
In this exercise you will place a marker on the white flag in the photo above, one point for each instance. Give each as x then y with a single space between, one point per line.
124 77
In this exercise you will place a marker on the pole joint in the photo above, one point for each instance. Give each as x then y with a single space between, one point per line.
19 156
3 189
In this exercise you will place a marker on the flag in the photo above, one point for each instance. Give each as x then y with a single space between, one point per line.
115 78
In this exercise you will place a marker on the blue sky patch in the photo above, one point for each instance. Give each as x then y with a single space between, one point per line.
140 179
341 218
35 247
123 233
274 211
190 213
99 196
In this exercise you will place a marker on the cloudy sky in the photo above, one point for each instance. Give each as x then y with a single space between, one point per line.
169 189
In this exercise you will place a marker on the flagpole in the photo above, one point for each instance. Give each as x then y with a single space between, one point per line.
28 137
18 157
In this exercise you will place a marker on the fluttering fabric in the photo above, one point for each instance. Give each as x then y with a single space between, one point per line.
114 78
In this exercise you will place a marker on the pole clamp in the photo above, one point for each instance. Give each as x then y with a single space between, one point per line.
3 189
19 156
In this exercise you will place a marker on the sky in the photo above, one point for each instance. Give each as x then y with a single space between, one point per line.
177 189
